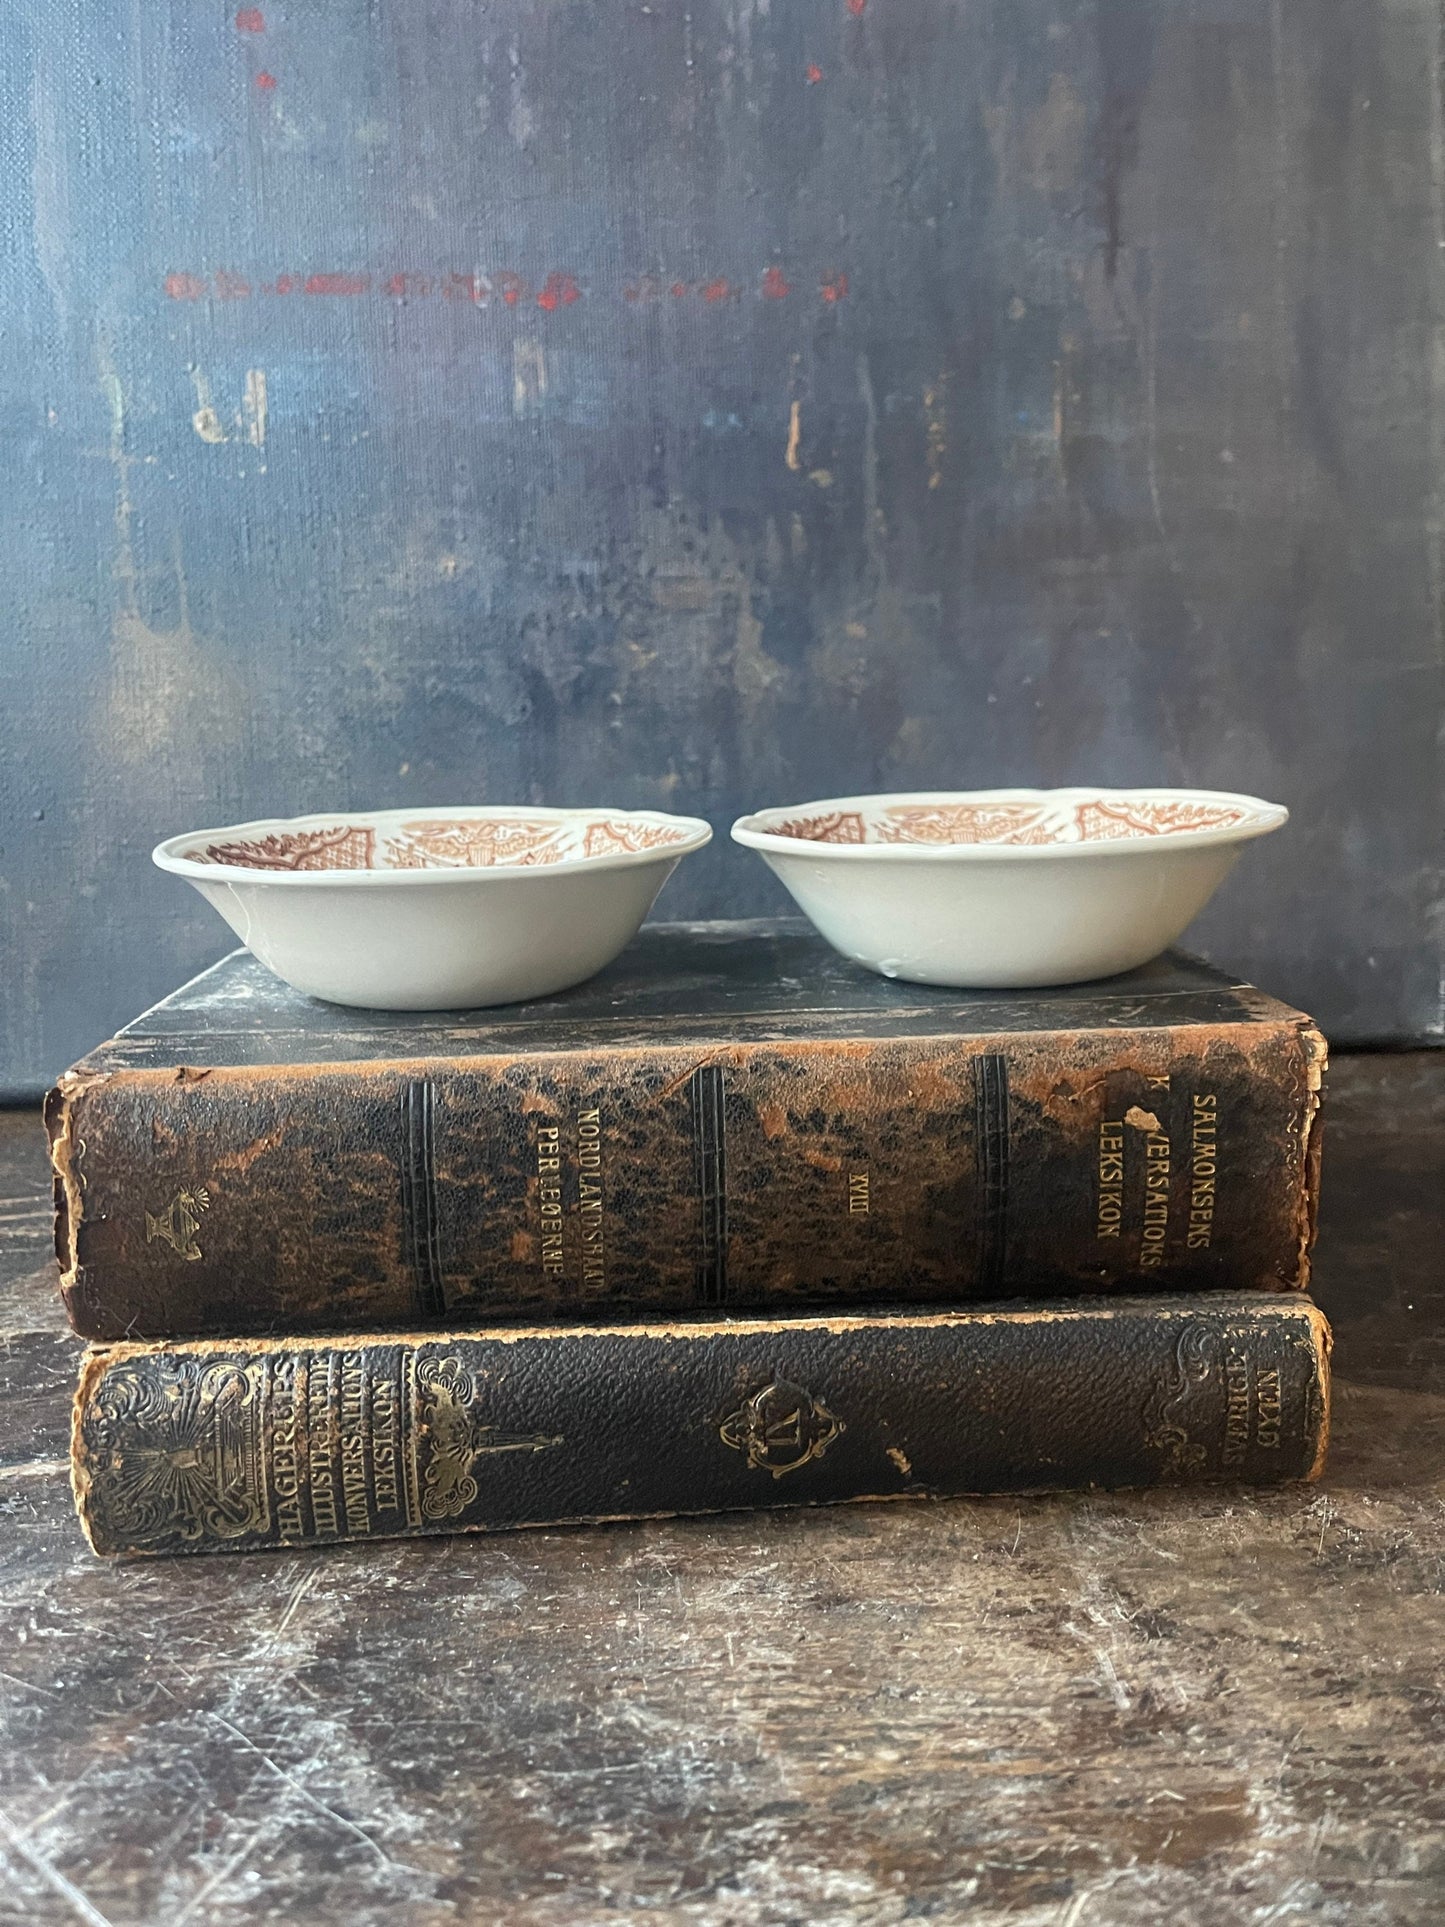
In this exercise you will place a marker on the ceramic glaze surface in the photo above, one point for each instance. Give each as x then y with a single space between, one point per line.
440 909
1006 889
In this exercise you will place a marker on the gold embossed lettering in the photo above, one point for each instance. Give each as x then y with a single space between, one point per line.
1109 1214
318 1455
859 1197
1267 1400
1157 1165
353 1442
549 1197
589 1198
1236 1407
285 1469
1203 1170
385 1454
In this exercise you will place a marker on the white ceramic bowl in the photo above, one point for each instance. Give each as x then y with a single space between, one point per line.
1001 889
446 909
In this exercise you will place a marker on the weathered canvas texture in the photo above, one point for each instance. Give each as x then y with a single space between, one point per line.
710 405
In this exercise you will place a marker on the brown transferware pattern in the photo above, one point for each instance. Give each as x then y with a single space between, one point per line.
461 843
1099 820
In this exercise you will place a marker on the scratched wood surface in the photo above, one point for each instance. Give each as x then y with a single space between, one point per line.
709 403
1075 1711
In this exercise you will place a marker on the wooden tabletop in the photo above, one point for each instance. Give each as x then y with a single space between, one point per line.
1182 1707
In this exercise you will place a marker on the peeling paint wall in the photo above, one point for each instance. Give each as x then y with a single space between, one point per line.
703 405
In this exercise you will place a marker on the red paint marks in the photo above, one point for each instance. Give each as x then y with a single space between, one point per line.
552 292
558 291
337 283
855 7
252 20
814 73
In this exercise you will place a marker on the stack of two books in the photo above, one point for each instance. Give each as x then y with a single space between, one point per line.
733 1225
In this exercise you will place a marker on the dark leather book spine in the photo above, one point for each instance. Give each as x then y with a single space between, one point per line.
596 1182
242 1444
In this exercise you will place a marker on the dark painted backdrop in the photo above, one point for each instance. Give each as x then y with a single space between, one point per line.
707 404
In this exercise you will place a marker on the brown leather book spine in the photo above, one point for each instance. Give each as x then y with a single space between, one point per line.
242 1444
592 1182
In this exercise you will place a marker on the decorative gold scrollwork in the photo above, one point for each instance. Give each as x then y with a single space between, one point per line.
174 1450
456 1437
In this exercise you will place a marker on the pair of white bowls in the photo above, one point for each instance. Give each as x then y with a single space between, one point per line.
449 909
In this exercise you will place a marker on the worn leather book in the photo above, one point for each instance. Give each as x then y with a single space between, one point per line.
267 1442
730 1116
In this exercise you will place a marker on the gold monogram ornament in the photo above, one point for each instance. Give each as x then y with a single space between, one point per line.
179 1223
781 1428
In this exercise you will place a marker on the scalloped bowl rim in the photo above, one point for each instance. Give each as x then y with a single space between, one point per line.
167 854
752 832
